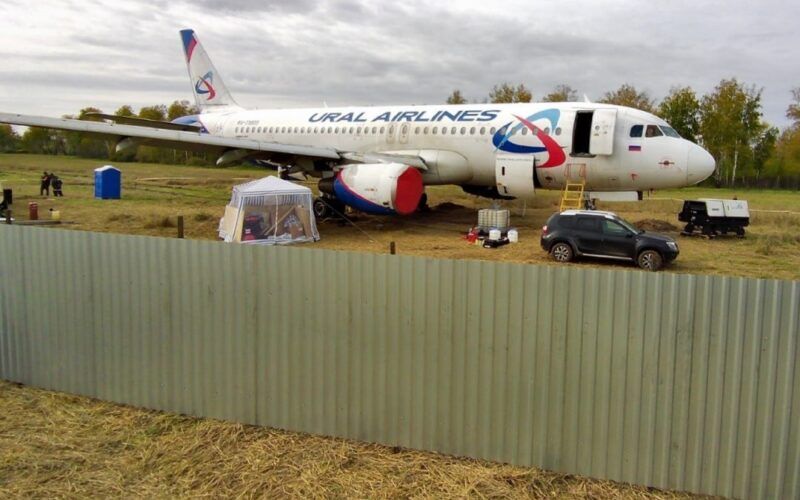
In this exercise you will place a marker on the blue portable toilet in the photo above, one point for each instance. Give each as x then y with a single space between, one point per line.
107 183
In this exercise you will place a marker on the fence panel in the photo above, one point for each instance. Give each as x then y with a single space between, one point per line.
673 381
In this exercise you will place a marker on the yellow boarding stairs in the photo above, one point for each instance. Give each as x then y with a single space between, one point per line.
572 196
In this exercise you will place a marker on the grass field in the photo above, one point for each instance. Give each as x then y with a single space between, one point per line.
60 446
153 195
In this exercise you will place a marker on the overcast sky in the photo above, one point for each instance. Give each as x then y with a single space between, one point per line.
59 56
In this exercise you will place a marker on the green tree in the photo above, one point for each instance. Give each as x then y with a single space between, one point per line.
785 160
41 141
157 112
506 92
681 109
731 127
793 111
627 95
562 93
456 98
181 108
125 110
9 139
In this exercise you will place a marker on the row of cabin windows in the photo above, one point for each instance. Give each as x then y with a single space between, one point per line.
379 130
653 131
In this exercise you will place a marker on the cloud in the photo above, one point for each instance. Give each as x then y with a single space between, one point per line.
300 53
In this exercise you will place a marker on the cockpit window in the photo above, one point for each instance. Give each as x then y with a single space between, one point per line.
653 131
670 132
636 130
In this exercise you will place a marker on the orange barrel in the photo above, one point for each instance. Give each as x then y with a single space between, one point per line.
33 210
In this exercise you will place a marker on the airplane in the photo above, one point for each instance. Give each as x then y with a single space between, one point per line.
379 159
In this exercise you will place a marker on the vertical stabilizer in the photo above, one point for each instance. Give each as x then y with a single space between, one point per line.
210 92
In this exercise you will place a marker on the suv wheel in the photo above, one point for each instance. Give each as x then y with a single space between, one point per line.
562 252
650 260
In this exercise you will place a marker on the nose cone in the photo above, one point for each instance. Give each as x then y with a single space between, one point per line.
699 165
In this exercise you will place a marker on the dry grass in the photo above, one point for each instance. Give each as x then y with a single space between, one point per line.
55 445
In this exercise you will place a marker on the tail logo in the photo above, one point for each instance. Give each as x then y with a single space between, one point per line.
502 139
204 85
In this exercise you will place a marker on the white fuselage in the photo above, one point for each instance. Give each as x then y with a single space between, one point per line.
502 145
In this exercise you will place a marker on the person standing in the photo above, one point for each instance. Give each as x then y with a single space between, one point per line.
44 186
57 183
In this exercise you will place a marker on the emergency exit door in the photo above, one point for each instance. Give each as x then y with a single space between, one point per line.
514 175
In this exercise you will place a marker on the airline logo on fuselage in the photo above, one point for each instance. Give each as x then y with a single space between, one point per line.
467 115
502 139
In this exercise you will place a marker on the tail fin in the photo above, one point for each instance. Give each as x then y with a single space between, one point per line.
209 91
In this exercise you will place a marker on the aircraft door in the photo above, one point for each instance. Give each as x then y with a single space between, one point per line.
601 141
514 175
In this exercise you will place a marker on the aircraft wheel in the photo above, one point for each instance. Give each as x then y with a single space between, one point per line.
321 208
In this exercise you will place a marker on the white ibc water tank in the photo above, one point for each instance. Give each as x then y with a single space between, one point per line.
490 217
513 236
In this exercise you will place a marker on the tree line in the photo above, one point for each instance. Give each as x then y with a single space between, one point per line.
727 121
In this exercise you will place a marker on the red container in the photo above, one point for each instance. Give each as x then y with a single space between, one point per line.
33 210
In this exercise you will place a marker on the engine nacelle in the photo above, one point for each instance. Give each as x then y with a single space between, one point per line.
379 188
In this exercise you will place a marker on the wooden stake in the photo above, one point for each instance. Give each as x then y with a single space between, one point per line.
392 248
8 216
180 226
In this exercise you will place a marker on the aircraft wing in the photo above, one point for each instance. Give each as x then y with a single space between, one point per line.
133 132
226 148
144 122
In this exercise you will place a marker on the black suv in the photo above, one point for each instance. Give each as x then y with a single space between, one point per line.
594 233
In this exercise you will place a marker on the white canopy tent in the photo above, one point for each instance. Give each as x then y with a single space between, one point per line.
269 211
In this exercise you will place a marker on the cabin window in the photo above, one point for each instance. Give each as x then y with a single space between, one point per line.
416 131
463 130
358 130
636 130
582 133
492 131
547 131
483 130
558 130
374 130
472 131
336 130
444 130
653 131
382 129
435 129
524 130
425 130
453 131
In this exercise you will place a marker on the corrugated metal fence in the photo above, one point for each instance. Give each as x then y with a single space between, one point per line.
673 381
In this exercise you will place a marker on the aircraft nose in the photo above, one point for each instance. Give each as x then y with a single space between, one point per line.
699 165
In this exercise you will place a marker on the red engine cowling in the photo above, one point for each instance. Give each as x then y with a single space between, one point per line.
380 188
